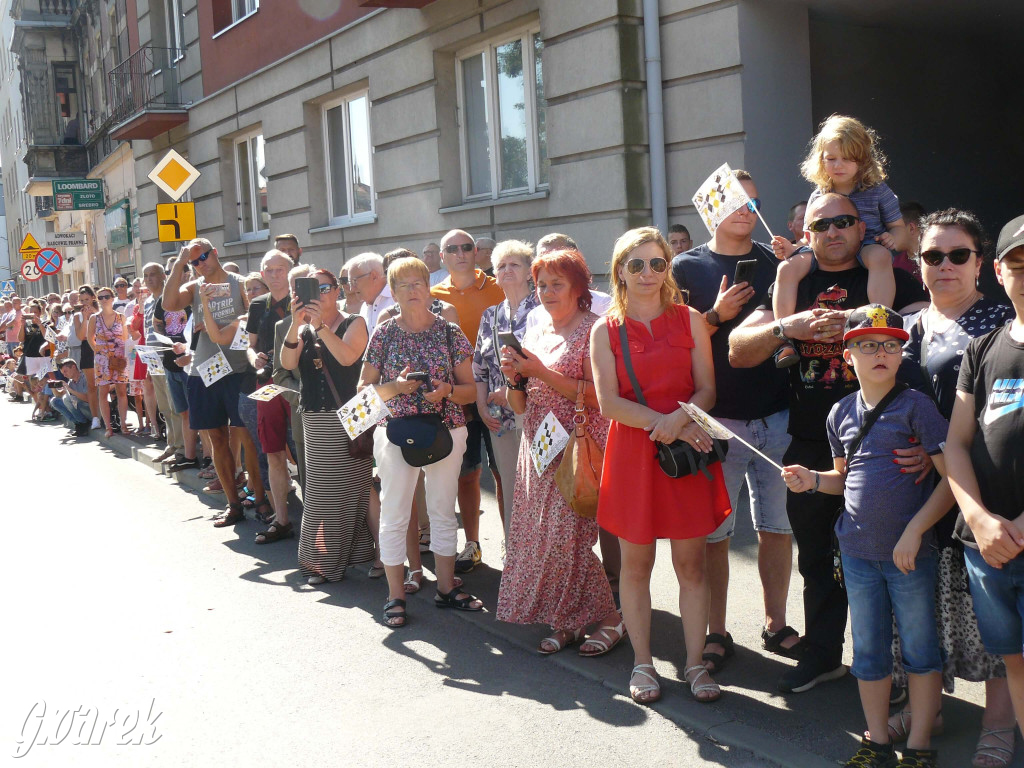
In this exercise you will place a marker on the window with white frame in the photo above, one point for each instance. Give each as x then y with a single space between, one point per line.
251 186
347 151
242 8
502 121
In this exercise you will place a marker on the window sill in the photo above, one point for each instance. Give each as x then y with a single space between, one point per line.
234 24
474 204
262 236
345 224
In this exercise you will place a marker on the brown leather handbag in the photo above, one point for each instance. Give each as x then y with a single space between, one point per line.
579 474
117 364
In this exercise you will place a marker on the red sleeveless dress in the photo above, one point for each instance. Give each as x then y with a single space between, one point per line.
639 502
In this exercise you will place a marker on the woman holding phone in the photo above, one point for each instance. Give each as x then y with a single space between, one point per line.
108 335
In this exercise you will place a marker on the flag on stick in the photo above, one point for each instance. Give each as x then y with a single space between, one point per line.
718 430
720 195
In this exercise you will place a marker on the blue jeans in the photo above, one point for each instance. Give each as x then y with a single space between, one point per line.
998 595
71 408
877 591
247 410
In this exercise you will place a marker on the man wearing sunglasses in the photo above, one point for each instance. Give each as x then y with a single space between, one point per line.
753 403
471 292
214 407
825 299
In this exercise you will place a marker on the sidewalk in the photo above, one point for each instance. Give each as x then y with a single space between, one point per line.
815 729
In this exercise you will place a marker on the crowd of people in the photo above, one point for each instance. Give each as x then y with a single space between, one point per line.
860 356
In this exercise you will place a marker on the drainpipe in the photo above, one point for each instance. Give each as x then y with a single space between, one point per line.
655 115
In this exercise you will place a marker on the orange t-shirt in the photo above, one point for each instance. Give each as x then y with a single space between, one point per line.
471 302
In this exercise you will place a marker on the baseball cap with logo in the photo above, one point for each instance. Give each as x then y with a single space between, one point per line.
1010 236
875 318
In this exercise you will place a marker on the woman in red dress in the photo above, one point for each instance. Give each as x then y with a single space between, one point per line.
671 355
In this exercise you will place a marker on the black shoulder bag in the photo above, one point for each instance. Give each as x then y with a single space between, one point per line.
362 446
679 458
869 422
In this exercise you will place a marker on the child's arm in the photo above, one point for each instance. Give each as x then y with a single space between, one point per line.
801 479
938 504
787 282
783 248
881 279
897 238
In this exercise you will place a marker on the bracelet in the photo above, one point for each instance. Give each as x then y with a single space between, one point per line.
291 344
817 483
520 387
319 328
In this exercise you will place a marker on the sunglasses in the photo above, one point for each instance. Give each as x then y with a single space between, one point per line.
891 347
326 288
343 280
68 312
843 221
754 205
636 266
466 248
105 297
202 257
957 256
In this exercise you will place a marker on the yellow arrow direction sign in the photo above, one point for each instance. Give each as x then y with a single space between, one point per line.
175 221
29 248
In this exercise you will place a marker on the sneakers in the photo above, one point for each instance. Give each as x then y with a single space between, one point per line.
873 755
808 673
918 758
81 429
95 424
469 558
179 464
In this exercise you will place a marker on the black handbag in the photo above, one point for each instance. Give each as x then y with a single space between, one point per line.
362 446
678 458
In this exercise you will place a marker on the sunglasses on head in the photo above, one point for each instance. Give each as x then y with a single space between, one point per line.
466 248
754 205
636 265
201 257
956 256
843 221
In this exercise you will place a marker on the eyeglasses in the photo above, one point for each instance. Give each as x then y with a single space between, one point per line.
120 285
957 256
105 297
68 312
754 205
453 248
343 280
326 288
636 265
891 346
353 279
202 257
403 287
842 221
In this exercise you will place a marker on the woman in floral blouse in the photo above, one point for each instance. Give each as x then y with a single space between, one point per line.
511 260
419 341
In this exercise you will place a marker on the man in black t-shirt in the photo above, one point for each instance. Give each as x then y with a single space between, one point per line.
986 469
825 298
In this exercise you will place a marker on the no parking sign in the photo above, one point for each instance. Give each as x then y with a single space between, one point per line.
49 261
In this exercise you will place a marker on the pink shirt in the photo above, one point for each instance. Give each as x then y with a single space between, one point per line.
12 331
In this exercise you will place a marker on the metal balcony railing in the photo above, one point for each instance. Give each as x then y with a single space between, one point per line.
146 80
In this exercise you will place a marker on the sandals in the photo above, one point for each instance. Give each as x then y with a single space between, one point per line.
646 693
234 515
442 600
390 614
262 509
998 751
899 726
712 688
559 639
376 571
275 532
412 586
602 643
719 659
772 642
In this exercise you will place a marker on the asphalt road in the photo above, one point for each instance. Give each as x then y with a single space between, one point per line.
198 647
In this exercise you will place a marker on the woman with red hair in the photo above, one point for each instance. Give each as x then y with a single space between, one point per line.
551 574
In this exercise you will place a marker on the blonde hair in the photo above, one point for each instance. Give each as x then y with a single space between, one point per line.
507 248
405 267
856 142
625 245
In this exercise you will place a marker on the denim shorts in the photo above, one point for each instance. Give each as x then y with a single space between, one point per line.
998 595
877 591
177 386
765 485
214 406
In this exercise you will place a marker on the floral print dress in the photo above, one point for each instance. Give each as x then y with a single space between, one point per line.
109 343
551 572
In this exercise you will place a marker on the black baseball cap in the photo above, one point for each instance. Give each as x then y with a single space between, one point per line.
1010 236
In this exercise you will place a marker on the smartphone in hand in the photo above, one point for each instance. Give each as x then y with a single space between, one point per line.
423 378
307 290
746 270
508 339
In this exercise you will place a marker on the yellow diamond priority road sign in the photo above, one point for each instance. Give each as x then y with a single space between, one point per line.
174 175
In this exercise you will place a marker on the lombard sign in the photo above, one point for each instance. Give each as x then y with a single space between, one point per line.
78 195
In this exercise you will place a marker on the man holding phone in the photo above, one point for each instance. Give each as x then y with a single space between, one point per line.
71 397
726 278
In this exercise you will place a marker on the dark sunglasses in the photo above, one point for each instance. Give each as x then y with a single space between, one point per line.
842 221
754 205
326 288
636 266
466 248
343 280
202 257
68 312
957 256
105 297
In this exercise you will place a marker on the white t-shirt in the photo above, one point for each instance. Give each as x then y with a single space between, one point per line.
371 312
438 277
601 302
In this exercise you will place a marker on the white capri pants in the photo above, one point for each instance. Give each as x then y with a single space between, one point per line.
398 486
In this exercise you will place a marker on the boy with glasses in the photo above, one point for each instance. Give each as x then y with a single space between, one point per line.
885 532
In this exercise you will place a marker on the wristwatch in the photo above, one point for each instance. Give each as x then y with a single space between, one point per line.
778 331
712 318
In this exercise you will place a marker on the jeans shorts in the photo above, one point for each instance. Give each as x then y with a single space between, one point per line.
765 486
877 591
177 386
477 432
214 406
998 595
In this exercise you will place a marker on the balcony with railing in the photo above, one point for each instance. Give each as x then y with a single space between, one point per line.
146 94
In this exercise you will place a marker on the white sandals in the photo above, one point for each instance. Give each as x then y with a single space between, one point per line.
639 693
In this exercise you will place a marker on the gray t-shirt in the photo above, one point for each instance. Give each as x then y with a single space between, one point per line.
881 500
224 311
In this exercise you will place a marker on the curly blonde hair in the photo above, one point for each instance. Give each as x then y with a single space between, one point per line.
625 245
856 141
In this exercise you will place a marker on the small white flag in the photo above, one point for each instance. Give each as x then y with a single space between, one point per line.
213 369
241 340
362 412
149 356
49 335
719 431
720 195
548 442
269 392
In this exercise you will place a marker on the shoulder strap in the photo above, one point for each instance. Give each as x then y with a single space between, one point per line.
922 357
324 369
494 328
624 343
871 418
